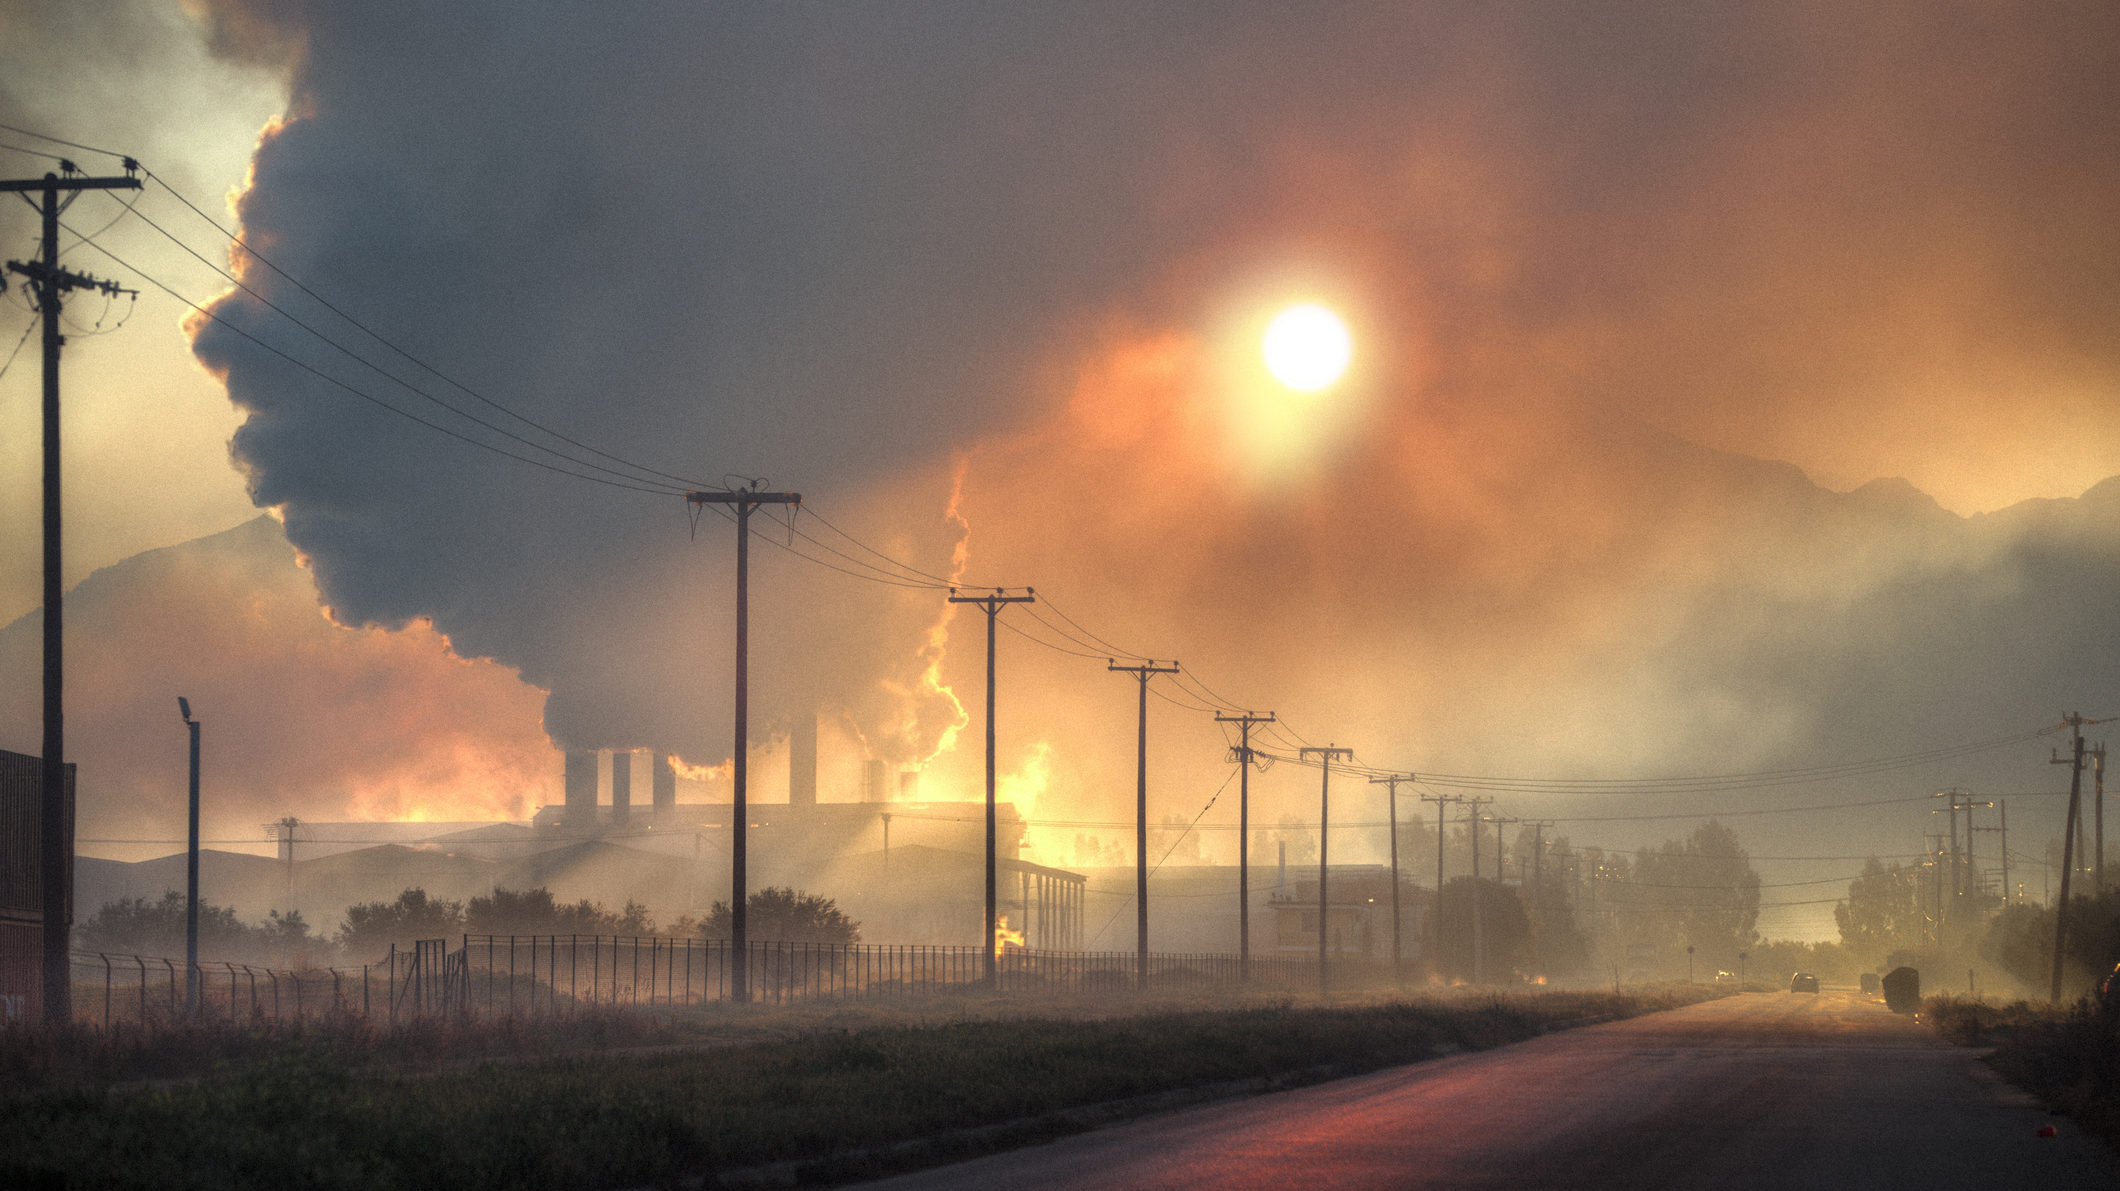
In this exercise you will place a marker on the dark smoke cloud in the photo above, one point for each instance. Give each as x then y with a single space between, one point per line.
841 247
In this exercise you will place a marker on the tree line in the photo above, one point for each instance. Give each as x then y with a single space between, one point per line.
138 926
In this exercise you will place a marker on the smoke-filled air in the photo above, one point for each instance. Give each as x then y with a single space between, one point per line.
1727 389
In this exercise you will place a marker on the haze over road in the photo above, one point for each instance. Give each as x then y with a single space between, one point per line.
1761 1090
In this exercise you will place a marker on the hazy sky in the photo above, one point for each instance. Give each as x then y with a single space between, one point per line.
1636 291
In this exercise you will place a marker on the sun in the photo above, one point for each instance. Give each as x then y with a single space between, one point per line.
1307 347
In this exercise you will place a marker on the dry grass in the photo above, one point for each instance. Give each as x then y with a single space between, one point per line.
727 1088
2068 1056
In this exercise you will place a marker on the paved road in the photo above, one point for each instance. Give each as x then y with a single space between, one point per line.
1763 1090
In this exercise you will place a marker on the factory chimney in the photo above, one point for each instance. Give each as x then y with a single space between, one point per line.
802 760
662 778
580 788
621 787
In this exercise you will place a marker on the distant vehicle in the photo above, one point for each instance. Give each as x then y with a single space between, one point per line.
1803 982
1729 978
1869 982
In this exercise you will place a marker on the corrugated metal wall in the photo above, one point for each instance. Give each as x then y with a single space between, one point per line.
21 802
21 973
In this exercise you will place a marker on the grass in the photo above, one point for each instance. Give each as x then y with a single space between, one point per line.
2068 1056
325 1109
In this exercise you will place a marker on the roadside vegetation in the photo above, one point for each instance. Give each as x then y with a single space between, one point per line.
2068 1056
729 1087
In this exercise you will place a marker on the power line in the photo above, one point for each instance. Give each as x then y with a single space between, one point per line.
368 397
240 243
69 144
393 378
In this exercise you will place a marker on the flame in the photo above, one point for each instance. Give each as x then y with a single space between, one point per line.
724 771
936 645
1004 938
1024 787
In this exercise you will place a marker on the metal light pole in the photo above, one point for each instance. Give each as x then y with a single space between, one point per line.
191 874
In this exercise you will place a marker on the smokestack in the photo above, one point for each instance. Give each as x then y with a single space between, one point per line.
909 786
802 760
663 779
621 786
872 787
581 791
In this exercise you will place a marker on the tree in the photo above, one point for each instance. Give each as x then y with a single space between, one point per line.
136 926
1559 947
783 915
1505 930
1882 911
536 912
371 927
1704 891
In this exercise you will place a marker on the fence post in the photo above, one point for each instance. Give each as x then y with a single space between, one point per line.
142 965
172 966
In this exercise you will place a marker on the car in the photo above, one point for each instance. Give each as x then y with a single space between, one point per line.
1727 979
1803 982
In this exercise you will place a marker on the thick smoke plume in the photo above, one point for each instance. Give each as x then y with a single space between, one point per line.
1599 263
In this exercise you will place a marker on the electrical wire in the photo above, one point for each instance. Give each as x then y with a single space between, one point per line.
363 395
31 152
69 144
1180 838
401 382
1110 649
18 346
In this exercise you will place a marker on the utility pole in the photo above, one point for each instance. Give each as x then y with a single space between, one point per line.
1951 794
1500 873
283 830
2098 807
191 874
1472 818
2004 808
1142 674
1244 724
1974 879
2074 761
993 604
1538 851
1326 756
1435 917
744 500
1398 972
56 844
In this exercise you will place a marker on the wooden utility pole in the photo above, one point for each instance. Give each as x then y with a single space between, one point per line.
2068 845
1326 756
1472 819
2098 809
1499 871
993 604
1244 724
56 842
1142 673
1435 915
1392 817
743 500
